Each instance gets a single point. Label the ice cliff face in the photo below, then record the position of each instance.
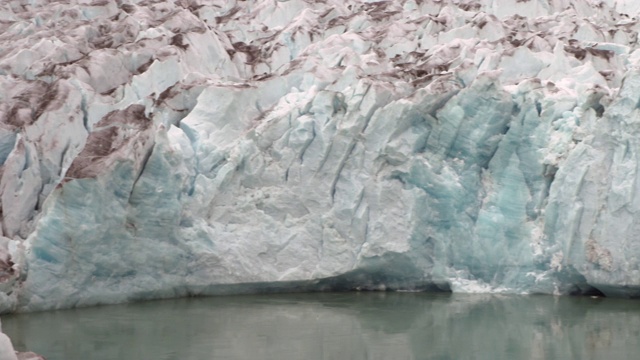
(154, 149)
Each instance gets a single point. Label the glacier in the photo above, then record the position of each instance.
(155, 149)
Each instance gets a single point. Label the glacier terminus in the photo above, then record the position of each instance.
(155, 149)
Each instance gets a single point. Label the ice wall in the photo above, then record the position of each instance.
(153, 149)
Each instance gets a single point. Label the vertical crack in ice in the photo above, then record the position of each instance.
(143, 165)
(341, 165)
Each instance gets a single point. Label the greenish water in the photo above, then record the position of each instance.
(338, 326)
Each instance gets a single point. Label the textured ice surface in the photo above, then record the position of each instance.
(154, 149)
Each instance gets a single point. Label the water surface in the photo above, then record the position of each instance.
(338, 326)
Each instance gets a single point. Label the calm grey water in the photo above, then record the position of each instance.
(338, 326)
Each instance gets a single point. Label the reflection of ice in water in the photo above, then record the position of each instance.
(538, 345)
(556, 327)
(338, 326)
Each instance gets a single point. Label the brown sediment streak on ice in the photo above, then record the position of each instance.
(106, 140)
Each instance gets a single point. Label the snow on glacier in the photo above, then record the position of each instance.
(153, 149)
